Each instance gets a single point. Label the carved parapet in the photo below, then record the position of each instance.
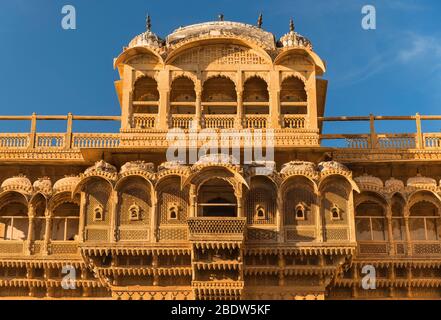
(152, 293)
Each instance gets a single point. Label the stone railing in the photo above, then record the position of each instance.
(432, 140)
(207, 228)
(144, 120)
(50, 140)
(358, 142)
(294, 121)
(14, 140)
(97, 140)
(396, 141)
(373, 248)
(256, 121)
(219, 121)
(182, 121)
(294, 131)
(9, 248)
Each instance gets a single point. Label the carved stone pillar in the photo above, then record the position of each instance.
(282, 265)
(127, 98)
(193, 201)
(408, 240)
(163, 109)
(30, 238)
(279, 217)
(114, 217)
(83, 212)
(198, 109)
(239, 117)
(390, 231)
(154, 218)
(275, 112)
(47, 231)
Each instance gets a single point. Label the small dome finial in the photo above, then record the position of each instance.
(260, 21)
(148, 23)
(291, 25)
(221, 17)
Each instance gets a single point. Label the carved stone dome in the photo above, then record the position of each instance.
(293, 39)
(43, 185)
(147, 39)
(302, 167)
(17, 183)
(66, 184)
(137, 166)
(369, 182)
(420, 181)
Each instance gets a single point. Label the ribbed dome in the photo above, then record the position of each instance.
(293, 39)
(147, 39)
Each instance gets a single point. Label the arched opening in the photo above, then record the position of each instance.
(39, 220)
(299, 205)
(182, 102)
(260, 201)
(293, 90)
(172, 201)
(216, 198)
(293, 102)
(398, 226)
(219, 103)
(134, 205)
(65, 222)
(145, 89)
(145, 102)
(370, 219)
(424, 218)
(256, 103)
(14, 221)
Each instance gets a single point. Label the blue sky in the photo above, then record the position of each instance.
(393, 70)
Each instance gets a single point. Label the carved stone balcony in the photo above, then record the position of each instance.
(294, 121)
(256, 121)
(182, 121)
(144, 120)
(216, 228)
(219, 121)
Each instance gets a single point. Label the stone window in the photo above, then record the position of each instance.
(134, 213)
(335, 213)
(98, 213)
(300, 212)
(173, 211)
(260, 212)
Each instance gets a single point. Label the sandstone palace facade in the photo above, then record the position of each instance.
(114, 213)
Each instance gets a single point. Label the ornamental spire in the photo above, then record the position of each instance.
(260, 21)
(148, 23)
(291, 25)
